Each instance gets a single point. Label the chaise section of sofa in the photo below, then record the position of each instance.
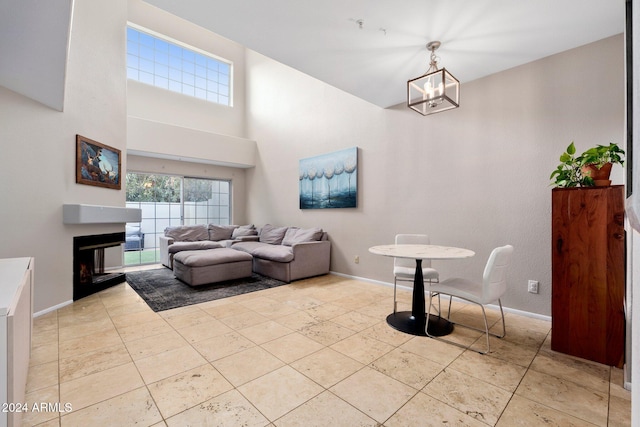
(289, 253)
(200, 237)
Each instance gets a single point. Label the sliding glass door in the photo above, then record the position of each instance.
(169, 200)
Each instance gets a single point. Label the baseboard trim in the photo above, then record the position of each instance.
(50, 309)
(490, 306)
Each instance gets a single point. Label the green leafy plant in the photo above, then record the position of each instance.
(569, 172)
(602, 154)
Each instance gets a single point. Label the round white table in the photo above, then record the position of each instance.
(413, 322)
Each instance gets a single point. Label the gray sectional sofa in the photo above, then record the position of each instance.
(283, 253)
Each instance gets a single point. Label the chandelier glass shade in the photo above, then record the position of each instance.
(435, 91)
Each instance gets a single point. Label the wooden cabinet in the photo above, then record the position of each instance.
(588, 247)
(16, 308)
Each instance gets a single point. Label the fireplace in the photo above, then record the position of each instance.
(89, 275)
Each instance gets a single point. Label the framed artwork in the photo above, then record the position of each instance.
(97, 164)
(329, 180)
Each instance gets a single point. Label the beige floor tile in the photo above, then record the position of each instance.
(132, 408)
(469, 395)
(95, 361)
(292, 347)
(619, 411)
(425, 411)
(362, 348)
(188, 389)
(134, 319)
(511, 352)
(203, 331)
(129, 308)
(355, 321)
(96, 341)
(303, 301)
(82, 329)
(41, 337)
(327, 367)
(241, 367)
(565, 396)
(325, 311)
(228, 409)
(527, 323)
(489, 369)
(42, 376)
(168, 363)
(47, 394)
(280, 391)
(222, 346)
(325, 410)
(374, 393)
(617, 384)
(155, 344)
(265, 332)
(298, 320)
(244, 320)
(526, 413)
(580, 371)
(385, 333)
(434, 350)
(407, 367)
(191, 318)
(44, 353)
(144, 330)
(326, 333)
(223, 308)
(103, 385)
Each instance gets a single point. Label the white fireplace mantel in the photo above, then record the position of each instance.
(95, 214)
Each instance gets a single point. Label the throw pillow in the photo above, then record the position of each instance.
(187, 233)
(220, 232)
(244, 230)
(300, 235)
(272, 235)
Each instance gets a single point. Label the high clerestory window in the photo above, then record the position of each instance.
(168, 64)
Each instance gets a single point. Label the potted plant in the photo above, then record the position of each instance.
(589, 168)
(597, 163)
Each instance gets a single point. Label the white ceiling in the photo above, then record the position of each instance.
(479, 37)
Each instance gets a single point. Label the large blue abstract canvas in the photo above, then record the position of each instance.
(329, 180)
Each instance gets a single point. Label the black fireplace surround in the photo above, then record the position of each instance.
(89, 276)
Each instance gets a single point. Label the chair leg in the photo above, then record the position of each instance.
(395, 302)
(504, 329)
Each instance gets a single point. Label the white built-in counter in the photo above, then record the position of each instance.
(16, 311)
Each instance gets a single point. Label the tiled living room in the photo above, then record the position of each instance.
(316, 352)
(300, 85)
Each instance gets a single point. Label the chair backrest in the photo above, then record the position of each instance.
(494, 279)
(411, 239)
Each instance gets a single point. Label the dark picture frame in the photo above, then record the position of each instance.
(97, 164)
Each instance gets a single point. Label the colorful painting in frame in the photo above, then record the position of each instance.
(97, 164)
(329, 180)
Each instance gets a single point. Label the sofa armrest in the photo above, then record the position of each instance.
(310, 259)
(165, 242)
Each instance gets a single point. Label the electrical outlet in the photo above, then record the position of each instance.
(533, 286)
(356, 259)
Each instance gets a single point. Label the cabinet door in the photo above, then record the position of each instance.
(588, 273)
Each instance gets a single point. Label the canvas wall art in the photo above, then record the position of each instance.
(329, 180)
(97, 164)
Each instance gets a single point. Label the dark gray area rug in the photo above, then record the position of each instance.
(162, 291)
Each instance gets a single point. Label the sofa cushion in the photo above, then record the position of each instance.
(187, 233)
(272, 235)
(193, 246)
(221, 232)
(244, 230)
(300, 235)
(212, 257)
(276, 253)
(247, 246)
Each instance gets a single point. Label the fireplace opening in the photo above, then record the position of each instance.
(89, 273)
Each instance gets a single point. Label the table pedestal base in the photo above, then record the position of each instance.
(404, 321)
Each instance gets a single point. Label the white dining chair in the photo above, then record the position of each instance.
(404, 269)
(489, 290)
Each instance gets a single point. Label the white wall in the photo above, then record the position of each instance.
(476, 177)
(38, 160)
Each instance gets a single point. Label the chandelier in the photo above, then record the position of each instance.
(435, 91)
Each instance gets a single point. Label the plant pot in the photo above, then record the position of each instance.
(600, 176)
